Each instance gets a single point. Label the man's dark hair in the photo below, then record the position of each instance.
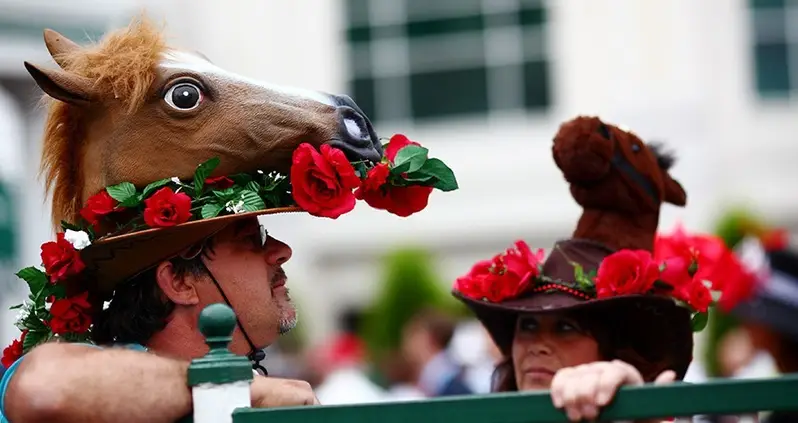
(438, 324)
(139, 308)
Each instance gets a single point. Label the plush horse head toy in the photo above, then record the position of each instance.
(620, 182)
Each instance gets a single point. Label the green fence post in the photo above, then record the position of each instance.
(220, 380)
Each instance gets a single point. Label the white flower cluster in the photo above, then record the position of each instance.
(23, 314)
(235, 207)
(78, 239)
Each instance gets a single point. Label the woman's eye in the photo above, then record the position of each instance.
(528, 325)
(564, 326)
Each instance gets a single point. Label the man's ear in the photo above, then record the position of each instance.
(180, 290)
(61, 85)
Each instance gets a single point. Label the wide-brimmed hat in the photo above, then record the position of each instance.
(773, 300)
(649, 293)
(164, 177)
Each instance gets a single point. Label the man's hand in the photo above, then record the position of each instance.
(583, 390)
(275, 392)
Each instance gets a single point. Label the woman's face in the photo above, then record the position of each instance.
(545, 343)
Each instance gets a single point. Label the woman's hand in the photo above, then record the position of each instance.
(583, 390)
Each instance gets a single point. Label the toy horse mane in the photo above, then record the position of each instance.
(620, 182)
(122, 66)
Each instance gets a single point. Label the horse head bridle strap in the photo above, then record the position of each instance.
(621, 163)
(255, 355)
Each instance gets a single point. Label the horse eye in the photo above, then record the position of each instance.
(184, 96)
(635, 148)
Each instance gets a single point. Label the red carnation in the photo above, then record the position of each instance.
(167, 208)
(322, 182)
(13, 352)
(626, 272)
(60, 259)
(220, 182)
(401, 201)
(71, 315)
(97, 206)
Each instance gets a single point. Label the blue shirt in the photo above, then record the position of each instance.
(13, 368)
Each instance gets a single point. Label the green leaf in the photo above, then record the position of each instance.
(252, 202)
(409, 159)
(122, 192)
(241, 178)
(35, 278)
(211, 210)
(201, 174)
(33, 324)
(252, 186)
(149, 189)
(59, 290)
(420, 178)
(66, 225)
(224, 194)
(18, 306)
(699, 321)
(579, 273)
(34, 338)
(444, 175)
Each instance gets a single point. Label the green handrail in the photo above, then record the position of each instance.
(721, 396)
(676, 400)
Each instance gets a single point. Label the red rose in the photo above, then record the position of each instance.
(396, 143)
(220, 182)
(97, 206)
(167, 208)
(401, 201)
(505, 276)
(676, 274)
(700, 297)
(60, 259)
(626, 272)
(71, 315)
(710, 253)
(322, 182)
(13, 352)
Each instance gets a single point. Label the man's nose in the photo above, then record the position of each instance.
(277, 252)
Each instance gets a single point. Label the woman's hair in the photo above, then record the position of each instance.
(139, 309)
(613, 341)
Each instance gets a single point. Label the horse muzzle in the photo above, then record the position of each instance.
(355, 136)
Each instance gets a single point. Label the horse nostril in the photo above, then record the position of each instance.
(356, 136)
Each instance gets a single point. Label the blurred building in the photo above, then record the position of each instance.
(483, 84)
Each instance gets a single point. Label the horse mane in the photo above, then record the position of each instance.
(122, 66)
(665, 159)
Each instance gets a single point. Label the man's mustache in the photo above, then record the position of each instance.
(279, 276)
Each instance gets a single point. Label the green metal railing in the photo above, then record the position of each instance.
(719, 397)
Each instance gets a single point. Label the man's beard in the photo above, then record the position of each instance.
(285, 308)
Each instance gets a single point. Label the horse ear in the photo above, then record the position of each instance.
(58, 45)
(64, 86)
(674, 193)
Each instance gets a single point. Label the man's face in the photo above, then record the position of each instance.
(247, 264)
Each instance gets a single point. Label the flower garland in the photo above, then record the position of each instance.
(321, 182)
(696, 271)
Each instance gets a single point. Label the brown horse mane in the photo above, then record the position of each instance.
(665, 159)
(122, 66)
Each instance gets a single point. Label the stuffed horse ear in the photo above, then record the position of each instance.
(674, 193)
(58, 45)
(61, 85)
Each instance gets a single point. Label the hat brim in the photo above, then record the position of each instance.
(629, 317)
(116, 259)
(771, 312)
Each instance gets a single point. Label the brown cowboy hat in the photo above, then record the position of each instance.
(652, 326)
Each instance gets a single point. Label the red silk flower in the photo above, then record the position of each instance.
(60, 259)
(503, 277)
(322, 181)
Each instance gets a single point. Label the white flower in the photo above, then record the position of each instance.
(106, 304)
(47, 305)
(78, 239)
(176, 180)
(235, 208)
(260, 172)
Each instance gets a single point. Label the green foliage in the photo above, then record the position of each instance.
(732, 227)
(410, 284)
